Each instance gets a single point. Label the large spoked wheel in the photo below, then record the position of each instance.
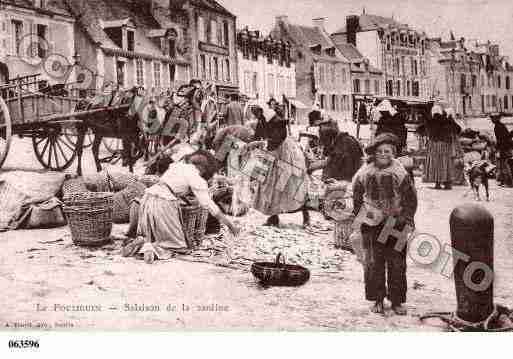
(53, 149)
(71, 135)
(5, 131)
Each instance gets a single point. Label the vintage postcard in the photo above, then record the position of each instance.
(192, 165)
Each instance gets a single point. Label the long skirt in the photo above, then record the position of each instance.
(385, 269)
(159, 228)
(439, 162)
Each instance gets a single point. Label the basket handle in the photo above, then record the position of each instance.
(278, 261)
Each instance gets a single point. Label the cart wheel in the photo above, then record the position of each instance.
(53, 149)
(5, 131)
(70, 132)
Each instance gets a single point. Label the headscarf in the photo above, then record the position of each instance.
(437, 109)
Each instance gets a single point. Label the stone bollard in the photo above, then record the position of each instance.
(472, 235)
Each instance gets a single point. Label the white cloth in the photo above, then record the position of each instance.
(184, 177)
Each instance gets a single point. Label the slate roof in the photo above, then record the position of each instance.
(212, 5)
(370, 22)
(349, 51)
(91, 13)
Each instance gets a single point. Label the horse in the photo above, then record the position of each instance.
(115, 124)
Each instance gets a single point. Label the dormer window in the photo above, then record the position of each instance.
(121, 32)
(130, 40)
(330, 51)
(316, 49)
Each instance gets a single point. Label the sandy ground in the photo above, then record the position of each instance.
(44, 279)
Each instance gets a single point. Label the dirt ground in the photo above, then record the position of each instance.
(48, 283)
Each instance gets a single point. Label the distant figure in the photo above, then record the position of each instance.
(234, 112)
(393, 122)
(504, 148)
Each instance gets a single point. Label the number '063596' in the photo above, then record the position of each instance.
(23, 344)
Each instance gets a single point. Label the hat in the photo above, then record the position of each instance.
(380, 140)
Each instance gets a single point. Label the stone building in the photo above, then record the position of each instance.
(209, 35)
(34, 34)
(266, 68)
(396, 49)
(322, 72)
(121, 42)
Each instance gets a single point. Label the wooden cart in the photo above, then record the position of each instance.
(47, 119)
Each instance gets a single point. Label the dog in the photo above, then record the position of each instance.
(478, 173)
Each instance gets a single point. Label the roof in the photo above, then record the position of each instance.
(349, 51)
(370, 22)
(309, 37)
(53, 6)
(92, 14)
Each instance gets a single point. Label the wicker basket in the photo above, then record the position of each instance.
(279, 273)
(343, 230)
(149, 180)
(194, 222)
(89, 217)
(123, 199)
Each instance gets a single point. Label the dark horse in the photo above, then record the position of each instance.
(114, 123)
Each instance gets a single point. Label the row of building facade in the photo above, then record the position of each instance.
(162, 44)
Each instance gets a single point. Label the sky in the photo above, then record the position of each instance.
(472, 19)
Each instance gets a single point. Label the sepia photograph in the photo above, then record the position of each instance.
(249, 166)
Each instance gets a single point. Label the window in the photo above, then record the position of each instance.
(323, 101)
(42, 32)
(226, 34)
(120, 72)
(376, 87)
(474, 81)
(228, 71)
(334, 102)
(506, 102)
(463, 83)
(403, 67)
(408, 87)
(397, 66)
(201, 29)
(415, 68)
(507, 83)
(270, 84)
(494, 101)
(203, 67)
(333, 75)
(213, 32)
(18, 35)
(367, 86)
(398, 88)
(356, 85)
(172, 73)
(344, 76)
(499, 81)
(254, 82)
(130, 40)
(415, 89)
(139, 72)
(172, 48)
(389, 87)
(156, 75)
(215, 65)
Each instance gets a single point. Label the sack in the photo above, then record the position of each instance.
(48, 214)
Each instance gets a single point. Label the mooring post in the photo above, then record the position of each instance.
(472, 237)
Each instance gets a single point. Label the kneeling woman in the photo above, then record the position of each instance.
(159, 231)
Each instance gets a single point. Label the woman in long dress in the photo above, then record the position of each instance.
(440, 149)
(284, 186)
(160, 231)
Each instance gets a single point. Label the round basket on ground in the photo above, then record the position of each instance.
(279, 273)
(123, 199)
(194, 222)
(89, 217)
(149, 180)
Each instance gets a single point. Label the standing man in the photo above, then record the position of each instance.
(504, 147)
(234, 112)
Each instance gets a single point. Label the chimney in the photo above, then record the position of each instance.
(319, 22)
(352, 25)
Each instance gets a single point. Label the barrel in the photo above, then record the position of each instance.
(472, 235)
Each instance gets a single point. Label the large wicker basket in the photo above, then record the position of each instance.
(89, 217)
(194, 222)
(123, 199)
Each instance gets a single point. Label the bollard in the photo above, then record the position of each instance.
(472, 234)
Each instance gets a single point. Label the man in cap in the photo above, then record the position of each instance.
(384, 188)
